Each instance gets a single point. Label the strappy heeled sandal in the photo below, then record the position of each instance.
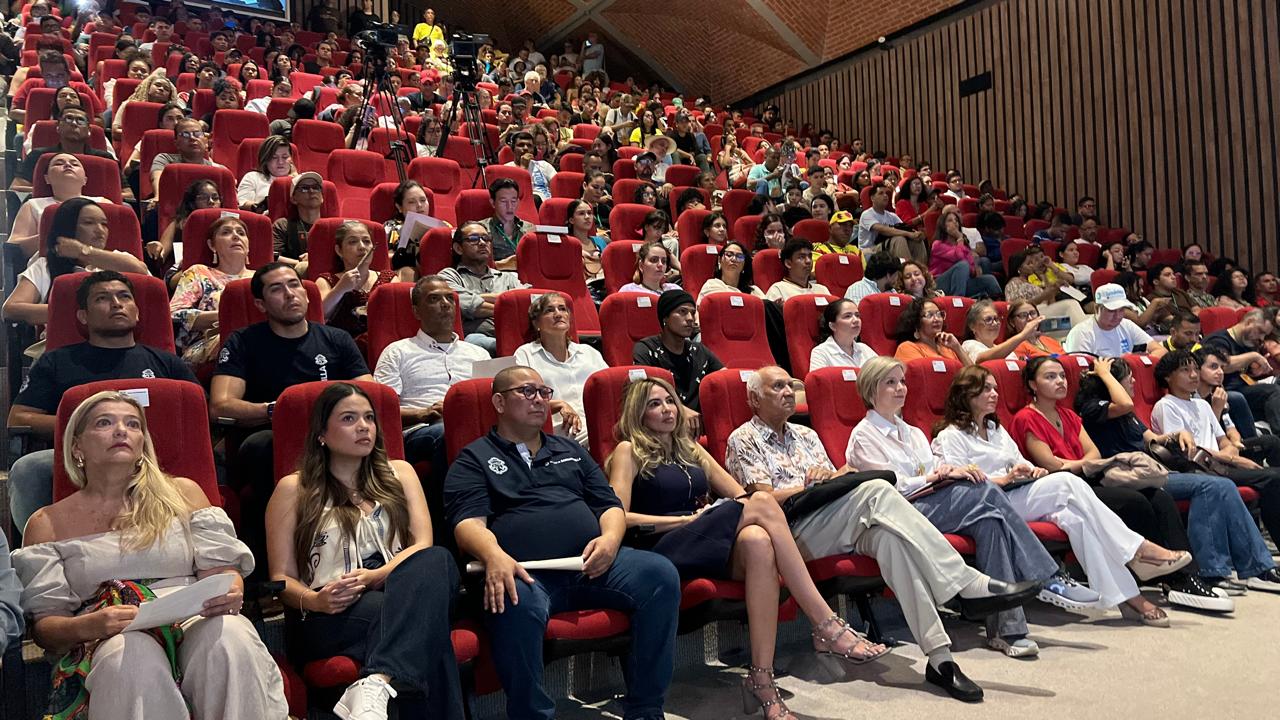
(842, 627)
(1155, 617)
(751, 701)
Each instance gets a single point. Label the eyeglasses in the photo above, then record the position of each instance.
(191, 134)
(77, 121)
(478, 239)
(308, 189)
(209, 198)
(734, 256)
(994, 320)
(529, 392)
(935, 315)
(1027, 315)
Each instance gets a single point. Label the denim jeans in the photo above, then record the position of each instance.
(425, 443)
(1241, 415)
(642, 583)
(488, 342)
(957, 282)
(30, 485)
(1223, 534)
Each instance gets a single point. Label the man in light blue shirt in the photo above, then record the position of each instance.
(880, 275)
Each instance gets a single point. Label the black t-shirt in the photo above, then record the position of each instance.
(687, 142)
(1226, 342)
(1111, 435)
(57, 371)
(27, 168)
(269, 363)
(687, 369)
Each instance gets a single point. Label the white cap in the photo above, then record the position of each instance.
(1111, 296)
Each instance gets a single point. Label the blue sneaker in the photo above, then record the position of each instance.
(1062, 591)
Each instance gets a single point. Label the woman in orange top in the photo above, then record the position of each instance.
(1022, 312)
(921, 334)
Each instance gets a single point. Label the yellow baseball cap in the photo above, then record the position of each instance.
(841, 216)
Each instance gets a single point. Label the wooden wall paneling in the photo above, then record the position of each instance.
(1263, 61)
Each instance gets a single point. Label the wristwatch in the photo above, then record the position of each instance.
(271, 409)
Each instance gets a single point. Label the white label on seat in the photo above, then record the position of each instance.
(644, 301)
(228, 213)
(939, 366)
(141, 395)
(745, 375)
(821, 301)
(635, 247)
(895, 301)
(554, 239)
(635, 374)
(1012, 365)
(735, 300)
(533, 298)
(713, 250)
(957, 302)
(1082, 361)
(844, 259)
(1146, 359)
(551, 229)
(849, 374)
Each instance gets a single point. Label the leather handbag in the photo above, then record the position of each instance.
(1133, 470)
(819, 495)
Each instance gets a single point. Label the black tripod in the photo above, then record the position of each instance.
(378, 85)
(465, 97)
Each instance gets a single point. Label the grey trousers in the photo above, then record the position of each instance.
(917, 563)
(1006, 547)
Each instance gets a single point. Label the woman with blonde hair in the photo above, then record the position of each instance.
(350, 535)
(156, 88)
(665, 480)
(80, 563)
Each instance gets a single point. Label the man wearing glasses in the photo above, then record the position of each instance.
(192, 142)
(519, 494)
(478, 285)
(73, 137)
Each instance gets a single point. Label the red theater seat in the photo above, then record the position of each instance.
(155, 325)
(322, 247)
(195, 235)
(733, 329)
(355, 173)
(929, 380)
(801, 314)
(602, 400)
(630, 317)
(316, 139)
(880, 313)
(176, 178)
(233, 127)
(723, 397)
(835, 408)
(102, 177)
(619, 263)
(511, 319)
(554, 262)
(837, 271)
(291, 421)
(236, 308)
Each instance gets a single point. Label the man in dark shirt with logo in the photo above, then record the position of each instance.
(519, 494)
(108, 310)
(256, 364)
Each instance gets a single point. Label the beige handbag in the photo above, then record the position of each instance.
(1133, 470)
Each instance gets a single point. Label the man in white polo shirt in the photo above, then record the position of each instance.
(1108, 333)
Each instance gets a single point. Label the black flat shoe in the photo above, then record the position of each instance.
(1019, 594)
(955, 682)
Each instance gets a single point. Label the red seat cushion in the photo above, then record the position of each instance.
(834, 566)
(962, 543)
(587, 624)
(701, 590)
(336, 671)
(1048, 532)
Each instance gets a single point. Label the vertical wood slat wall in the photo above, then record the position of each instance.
(1162, 109)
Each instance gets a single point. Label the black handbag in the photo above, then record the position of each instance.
(819, 495)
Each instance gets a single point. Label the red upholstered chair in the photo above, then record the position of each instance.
(154, 142)
(834, 407)
(733, 329)
(1101, 276)
(1090, 254)
(40, 104)
(473, 204)
(469, 407)
(44, 133)
(232, 127)
(623, 168)
(102, 177)
(602, 400)
(1009, 385)
(673, 209)
(202, 103)
(177, 420)
(176, 178)
(355, 173)
(744, 230)
(1213, 319)
(125, 234)
(968, 205)
(236, 308)
(629, 317)
(880, 313)
(838, 271)
(734, 204)
(1031, 227)
(619, 263)
(195, 248)
(291, 421)
(766, 268)
(955, 309)
(723, 397)
(567, 184)
(929, 380)
(624, 190)
(801, 314)
(382, 201)
(1145, 389)
(391, 318)
(315, 140)
(683, 175)
(586, 131)
(278, 108)
(322, 244)
(571, 162)
(698, 265)
(280, 204)
(813, 230)
(527, 209)
(626, 221)
(555, 263)
(1013, 226)
(511, 319)
(258, 88)
(381, 138)
(689, 228)
(247, 155)
(155, 325)
(435, 251)
(554, 210)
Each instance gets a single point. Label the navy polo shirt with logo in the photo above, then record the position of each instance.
(269, 363)
(547, 508)
(57, 371)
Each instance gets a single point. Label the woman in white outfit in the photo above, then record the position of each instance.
(1106, 548)
(564, 365)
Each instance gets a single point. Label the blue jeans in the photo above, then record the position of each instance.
(30, 485)
(425, 444)
(1241, 415)
(957, 282)
(642, 583)
(488, 342)
(1223, 534)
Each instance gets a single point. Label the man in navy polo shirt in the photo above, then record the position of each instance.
(518, 494)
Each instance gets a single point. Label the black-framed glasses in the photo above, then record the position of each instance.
(529, 392)
(308, 188)
(478, 239)
(77, 121)
(191, 134)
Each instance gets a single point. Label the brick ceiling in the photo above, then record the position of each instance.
(728, 49)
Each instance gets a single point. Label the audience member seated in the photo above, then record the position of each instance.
(564, 364)
(582, 226)
(137, 67)
(477, 283)
(915, 280)
(1151, 314)
(518, 494)
(841, 229)
(191, 138)
(169, 115)
(772, 232)
(1023, 314)
(194, 304)
(1139, 254)
(1221, 530)
(673, 348)
(1233, 289)
(66, 177)
(882, 273)
(257, 363)
(733, 270)
(504, 227)
(275, 159)
(913, 202)
(540, 171)
(1052, 436)
(1034, 277)
(666, 480)
(1079, 275)
(838, 331)
(73, 138)
(955, 265)
(1266, 289)
(957, 499)
(12, 623)
(54, 73)
(155, 88)
(878, 228)
(80, 563)
(797, 264)
(289, 234)
(982, 325)
(770, 454)
(1108, 333)
(344, 292)
(64, 99)
(653, 260)
(388, 604)
(199, 195)
(282, 88)
(596, 193)
(409, 197)
(77, 240)
(920, 334)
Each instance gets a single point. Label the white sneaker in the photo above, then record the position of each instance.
(1268, 581)
(365, 699)
(1021, 648)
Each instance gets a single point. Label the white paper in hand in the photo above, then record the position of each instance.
(415, 226)
(572, 564)
(181, 604)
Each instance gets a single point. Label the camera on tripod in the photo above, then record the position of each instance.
(376, 43)
(464, 49)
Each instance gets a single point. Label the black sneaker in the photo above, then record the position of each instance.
(1191, 592)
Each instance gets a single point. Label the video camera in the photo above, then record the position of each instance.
(376, 43)
(464, 50)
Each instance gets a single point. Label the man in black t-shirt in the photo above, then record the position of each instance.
(108, 310)
(256, 364)
(674, 349)
(1240, 343)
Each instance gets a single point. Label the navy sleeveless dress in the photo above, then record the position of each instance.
(700, 549)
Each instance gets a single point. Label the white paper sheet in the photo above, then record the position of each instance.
(416, 225)
(573, 564)
(181, 604)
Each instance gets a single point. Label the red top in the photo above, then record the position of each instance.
(1066, 445)
(906, 210)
